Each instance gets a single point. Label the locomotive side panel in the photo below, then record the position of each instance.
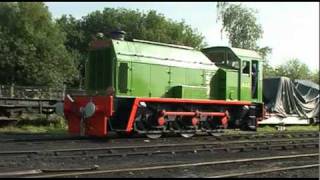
(224, 85)
(159, 80)
(152, 70)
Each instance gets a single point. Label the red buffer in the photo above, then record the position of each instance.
(88, 116)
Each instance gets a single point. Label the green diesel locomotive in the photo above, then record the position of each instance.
(137, 86)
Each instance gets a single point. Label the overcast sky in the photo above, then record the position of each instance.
(291, 29)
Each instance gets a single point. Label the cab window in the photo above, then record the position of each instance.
(245, 67)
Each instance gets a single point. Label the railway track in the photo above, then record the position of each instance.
(176, 148)
(34, 147)
(49, 173)
(119, 148)
(266, 171)
(254, 144)
(220, 137)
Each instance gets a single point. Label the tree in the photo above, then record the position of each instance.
(32, 50)
(240, 25)
(268, 71)
(75, 43)
(315, 77)
(294, 69)
(242, 29)
(150, 26)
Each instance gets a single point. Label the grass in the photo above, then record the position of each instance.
(288, 128)
(30, 123)
(33, 129)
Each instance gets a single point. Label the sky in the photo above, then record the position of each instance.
(291, 29)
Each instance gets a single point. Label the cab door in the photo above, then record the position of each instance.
(245, 80)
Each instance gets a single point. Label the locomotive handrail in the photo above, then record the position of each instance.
(153, 57)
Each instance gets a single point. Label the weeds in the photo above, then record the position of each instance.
(37, 124)
(268, 128)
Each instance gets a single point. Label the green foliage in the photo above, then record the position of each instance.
(243, 30)
(53, 120)
(264, 52)
(294, 69)
(37, 123)
(241, 25)
(31, 129)
(32, 50)
(75, 43)
(147, 26)
(315, 77)
(268, 71)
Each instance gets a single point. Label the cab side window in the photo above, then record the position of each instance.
(245, 67)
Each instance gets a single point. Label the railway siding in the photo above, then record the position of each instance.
(77, 159)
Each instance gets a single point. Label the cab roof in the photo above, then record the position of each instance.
(239, 52)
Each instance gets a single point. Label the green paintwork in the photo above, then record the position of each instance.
(191, 92)
(150, 69)
(231, 86)
(160, 76)
(236, 83)
(245, 84)
(140, 79)
(224, 85)
(99, 69)
(155, 68)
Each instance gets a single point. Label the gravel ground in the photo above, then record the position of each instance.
(304, 173)
(214, 170)
(129, 162)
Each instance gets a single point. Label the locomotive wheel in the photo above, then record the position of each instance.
(187, 135)
(154, 135)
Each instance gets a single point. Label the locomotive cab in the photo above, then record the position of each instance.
(243, 66)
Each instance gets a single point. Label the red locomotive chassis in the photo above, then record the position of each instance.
(97, 124)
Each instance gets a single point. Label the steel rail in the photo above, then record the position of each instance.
(57, 157)
(266, 171)
(247, 143)
(226, 136)
(169, 166)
